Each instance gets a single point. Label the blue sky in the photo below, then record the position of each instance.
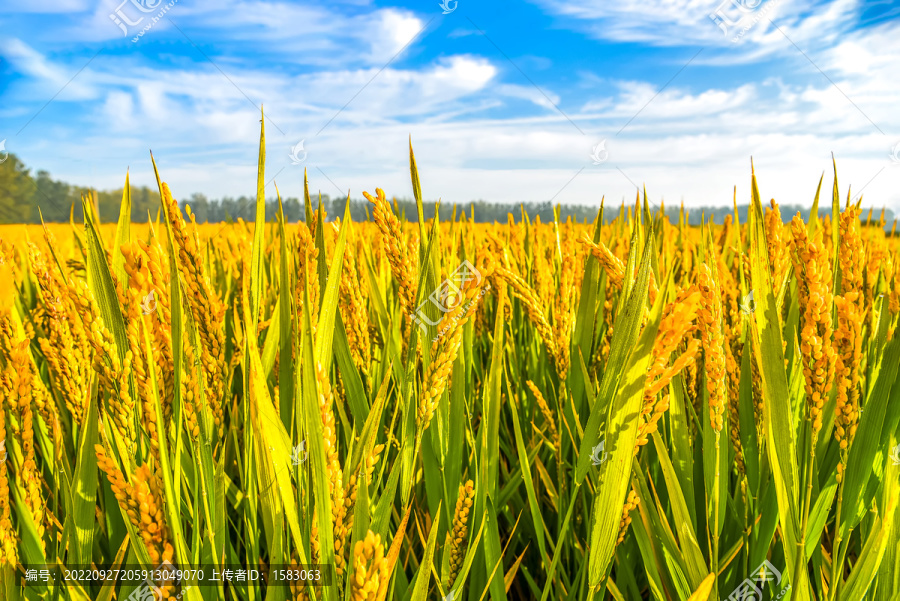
(562, 100)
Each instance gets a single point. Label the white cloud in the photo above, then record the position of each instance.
(320, 35)
(540, 97)
(46, 75)
(394, 31)
(671, 103)
(693, 142)
(119, 108)
(691, 23)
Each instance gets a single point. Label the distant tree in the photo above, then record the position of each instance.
(200, 207)
(293, 210)
(54, 198)
(243, 208)
(23, 195)
(16, 186)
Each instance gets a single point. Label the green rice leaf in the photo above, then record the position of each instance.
(525, 465)
(328, 304)
(287, 334)
(766, 339)
(868, 440)
(123, 233)
(257, 273)
(625, 336)
(420, 590)
(84, 488)
(623, 403)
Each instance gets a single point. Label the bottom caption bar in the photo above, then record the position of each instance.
(170, 576)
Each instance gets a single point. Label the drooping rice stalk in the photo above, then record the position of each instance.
(206, 308)
(546, 412)
(711, 329)
(678, 318)
(395, 248)
(445, 347)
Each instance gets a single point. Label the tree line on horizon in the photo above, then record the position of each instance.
(25, 198)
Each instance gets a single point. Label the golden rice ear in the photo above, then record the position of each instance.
(369, 568)
(445, 348)
(334, 472)
(711, 330)
(459, 532)
(848, 350)
(395, 247)
(545, 410)
(812, 267)
(631, 504)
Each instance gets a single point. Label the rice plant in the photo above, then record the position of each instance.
(418, 409)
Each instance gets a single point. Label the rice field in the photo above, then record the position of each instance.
(407, 409)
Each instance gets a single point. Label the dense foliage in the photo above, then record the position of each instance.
(634, 409)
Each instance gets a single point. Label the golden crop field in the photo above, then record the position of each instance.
(633, 409)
